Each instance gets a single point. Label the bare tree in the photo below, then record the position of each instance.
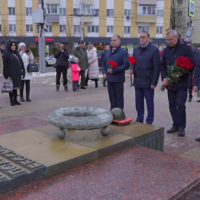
(4, 28)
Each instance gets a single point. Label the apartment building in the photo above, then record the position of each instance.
(182, 19)
(102, 18)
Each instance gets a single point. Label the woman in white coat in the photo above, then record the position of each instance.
(93, 71)
(27, 57)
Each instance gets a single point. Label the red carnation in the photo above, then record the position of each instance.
(113, 64)
(132, 60)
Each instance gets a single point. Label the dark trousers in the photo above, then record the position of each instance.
(28, 87)
(75, 85)
(191, 86)
(63, 70)
(95, 80)
(82, 75)
(116, 94)
(177, 100)
(148, 94)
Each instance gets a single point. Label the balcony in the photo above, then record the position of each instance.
(149, 2)
(146, 18)
(50, 18)
(87, 19)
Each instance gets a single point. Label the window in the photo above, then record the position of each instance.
(179, 26)
(11, 11)
(28, 11)
(180, 2)
(76, 29)
(160, 13)
(88, 10)
(159, 30)
(96, 12)
(127, 12)
(62, 28)
(63, 11)
(110, 12)
(109, 29)
(127, 29)
(143, 28)
(12, 27)
(52, 8)
(147, 10)
(93, 29)
(77, 11)
(180, 13)
(29, 28)
(49, 28)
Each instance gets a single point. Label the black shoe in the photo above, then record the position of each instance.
(12, 104)
(22, 99)
(197, 139)
(57, 88)
(181, 132)
(173, 129)
(189, 100)
(83, 87)
(28, 99)
(17, 103)
(66, 88)
(198, 101)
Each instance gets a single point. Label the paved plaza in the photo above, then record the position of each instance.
(45, 99)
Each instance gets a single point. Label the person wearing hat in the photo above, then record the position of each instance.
(27, 57)
(81, 54)
(194, 50)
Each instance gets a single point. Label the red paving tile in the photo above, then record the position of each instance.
(133, 174)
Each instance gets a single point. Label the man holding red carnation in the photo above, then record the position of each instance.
(115, 64)
(177, 50)
(146, 72)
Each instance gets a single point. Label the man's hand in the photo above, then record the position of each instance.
(153, 87)
(62, 51)
(195, 89)
(165, 82)
(110, 71)
(104, 76)
(131, 72)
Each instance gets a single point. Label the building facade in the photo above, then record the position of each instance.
(102, 18)
(182, 19)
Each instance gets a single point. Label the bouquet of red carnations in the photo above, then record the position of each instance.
(182, 65)
(132, 62)
(112, 65)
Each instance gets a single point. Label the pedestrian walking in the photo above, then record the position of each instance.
(27, 58)
(62, 56)
(116, 76)
(81, 54)
(2, 48)
(177, 92)
(75, 69)
(107, 47)
(93, 70)
(13, 68)
(146, 72)
(1, 68)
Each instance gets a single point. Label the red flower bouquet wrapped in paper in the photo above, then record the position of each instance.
(112, 65)
(182, 65)
(132, 61)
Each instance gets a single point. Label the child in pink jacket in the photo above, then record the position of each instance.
(75, 73)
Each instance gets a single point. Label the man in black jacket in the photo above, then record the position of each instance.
(62, 57)
(177, 92)
(146, 73)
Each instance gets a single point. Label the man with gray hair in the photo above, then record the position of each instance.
(177, 92)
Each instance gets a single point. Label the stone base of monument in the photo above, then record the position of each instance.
(33, 154)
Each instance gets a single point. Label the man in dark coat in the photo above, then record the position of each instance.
(177, 92)
(62, 57)
(81, 54)
(116, 76)
(146, 73)
(107, 47)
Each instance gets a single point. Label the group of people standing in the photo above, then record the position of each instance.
(14, 65)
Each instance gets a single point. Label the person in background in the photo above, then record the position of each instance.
(1, 68)
(194, 50)
(62, 56)
(81, 54)
(75, 69)
(27, 57)
(146, 72)
(116, 76)
(13, 67)
(93, 71)
(2, 48)
(107, 47)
